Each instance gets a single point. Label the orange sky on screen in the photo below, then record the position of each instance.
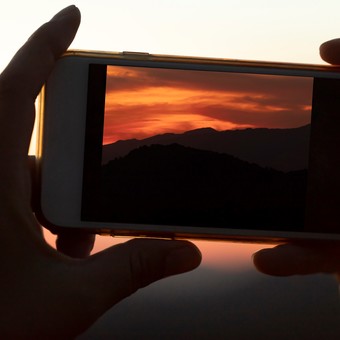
(142, 102)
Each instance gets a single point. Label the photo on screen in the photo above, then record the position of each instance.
(198, 148)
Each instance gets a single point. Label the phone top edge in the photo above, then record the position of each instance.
(145, 56)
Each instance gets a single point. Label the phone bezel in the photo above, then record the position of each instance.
(62, 141)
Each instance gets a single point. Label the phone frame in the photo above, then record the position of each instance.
(61, 141)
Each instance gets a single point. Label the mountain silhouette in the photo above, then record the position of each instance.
(281, 149)
(178, 185)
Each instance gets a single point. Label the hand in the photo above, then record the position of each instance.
(44, 293)
(304, 258)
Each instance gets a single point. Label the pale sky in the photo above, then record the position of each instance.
(244, 29)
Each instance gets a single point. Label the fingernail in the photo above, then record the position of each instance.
(182, 259)
(68, 11)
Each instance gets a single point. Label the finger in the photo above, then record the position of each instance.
(34, 61)
(20, 82)
(330, 51)
(75, 244)
(121, 270)
(23, 78)
(289, 259)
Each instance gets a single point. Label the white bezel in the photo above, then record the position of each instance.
(62, 152)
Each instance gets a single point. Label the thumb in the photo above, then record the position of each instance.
(299, 259)
(121, 270)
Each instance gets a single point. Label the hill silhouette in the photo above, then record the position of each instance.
(178, 185)
(281, 149)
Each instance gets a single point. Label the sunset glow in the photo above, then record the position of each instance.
(142, 102)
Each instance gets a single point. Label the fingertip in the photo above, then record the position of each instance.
(68, 17)
(182, 258)
(68, 12)
(264, 262)
(75, 244)
(298, 259)
(330, 51)
(60, 31)
(282, 260)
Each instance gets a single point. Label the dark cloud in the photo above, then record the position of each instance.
(269, 118)
(289, 88)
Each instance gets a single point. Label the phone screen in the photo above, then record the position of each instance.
(208, 149)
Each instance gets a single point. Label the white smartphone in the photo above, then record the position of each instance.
(168, 146)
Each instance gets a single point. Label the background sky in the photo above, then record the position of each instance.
(290, 31)
(242, 29)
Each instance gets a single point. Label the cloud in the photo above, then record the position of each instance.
(141, 102)
(137, 78)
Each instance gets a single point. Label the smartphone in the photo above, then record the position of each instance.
(136, 144)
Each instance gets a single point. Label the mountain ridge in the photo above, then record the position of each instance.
(281, 149)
